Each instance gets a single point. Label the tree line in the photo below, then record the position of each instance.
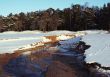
(77, 17)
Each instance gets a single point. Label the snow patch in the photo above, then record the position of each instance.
(94, 32)
(46, 39)
(12, 40)
(64, 37)
(99, 50)
(59, 32)
(22, 32)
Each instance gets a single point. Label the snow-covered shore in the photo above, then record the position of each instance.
(11, 41)
(98, 39)
(68, 49)
(99, 50)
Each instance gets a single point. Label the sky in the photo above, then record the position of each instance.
(17, 6)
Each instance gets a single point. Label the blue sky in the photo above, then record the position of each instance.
(16, 6)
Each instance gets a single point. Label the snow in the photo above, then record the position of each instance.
(98, 39)
(100, 48)
(100, 45)
(59, 32)
(64, 37)
(35, 44)
(93, 32)
(46, 40)
(22, 32)
(80, 33)
(12, 40)
(40, 44)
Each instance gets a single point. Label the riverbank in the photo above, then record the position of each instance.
(58, 55)
(61, 59)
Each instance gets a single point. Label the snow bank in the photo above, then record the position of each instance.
(37, 43)
(11, 40)
(64, 37)
(22, 32)
(59, 32)
(19, 39)
(99, 50)
(94, 32)
(46, 39)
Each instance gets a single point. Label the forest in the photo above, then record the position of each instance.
(76, 17)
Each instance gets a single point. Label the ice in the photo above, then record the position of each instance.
(67, 44)
(70, 41)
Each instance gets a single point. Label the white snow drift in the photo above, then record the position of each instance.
(99, 50)
(11, 41)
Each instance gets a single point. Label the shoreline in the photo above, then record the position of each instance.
(50, 61)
